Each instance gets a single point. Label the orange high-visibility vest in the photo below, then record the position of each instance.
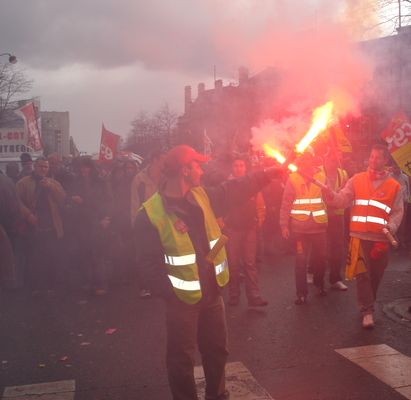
(372, 207)
(308, 199)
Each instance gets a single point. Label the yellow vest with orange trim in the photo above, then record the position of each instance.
(179, 253)
(372, 207)
(342, 178)
(308, 199)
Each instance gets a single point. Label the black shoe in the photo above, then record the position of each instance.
(257, 302)
(322, 292)
(233, 301)
(300, 300)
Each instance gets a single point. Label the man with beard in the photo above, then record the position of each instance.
(377, 205)
(183, 256)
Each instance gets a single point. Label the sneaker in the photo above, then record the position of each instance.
(257, 302)
(368, 321)
(310, 278)
(233, 301)
(339, 286)
(145, 294)
(300, 300)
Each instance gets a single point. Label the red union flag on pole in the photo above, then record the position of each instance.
(398, 137)
(28, 113)
(108, 145)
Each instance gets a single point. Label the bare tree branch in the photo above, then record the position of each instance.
(13, 83)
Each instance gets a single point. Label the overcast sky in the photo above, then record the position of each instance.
(105, 60)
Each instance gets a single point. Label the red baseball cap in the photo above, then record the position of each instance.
(179, 156)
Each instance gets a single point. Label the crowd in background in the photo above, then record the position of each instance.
(70, 224)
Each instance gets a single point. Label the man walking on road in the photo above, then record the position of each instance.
(377, 204)
(336, 178)
(184, 259)
(241, 226)
(303, 204)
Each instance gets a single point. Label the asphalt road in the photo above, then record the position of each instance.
(114, 346)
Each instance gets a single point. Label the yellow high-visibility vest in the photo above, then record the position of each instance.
(342, 178)
(179, 253)
(308, 200)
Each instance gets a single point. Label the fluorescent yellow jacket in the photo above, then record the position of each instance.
(179, 253)
(308, 199)
(342, 178)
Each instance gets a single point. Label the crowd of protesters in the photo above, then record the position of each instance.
(202, 224)
(70, 224)
(67, 223)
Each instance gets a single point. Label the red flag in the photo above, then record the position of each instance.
(33, 133)
(398, 137)
(398, 132)
(108, 145)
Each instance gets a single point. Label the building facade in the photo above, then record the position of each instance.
(55, 132)
(224, 115)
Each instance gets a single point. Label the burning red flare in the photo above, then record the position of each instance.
(277, 156)
(322, 117)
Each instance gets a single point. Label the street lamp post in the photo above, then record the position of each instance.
(12, 58)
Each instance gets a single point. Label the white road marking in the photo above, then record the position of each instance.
(60, 390)
(239, 381)
(385, 363)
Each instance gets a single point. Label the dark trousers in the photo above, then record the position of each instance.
(368, 282)
(242, 251)
(43, 261)
(311, 246)
(336, 247)
(202, 324)
(7, 262)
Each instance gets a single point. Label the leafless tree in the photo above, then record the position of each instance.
(165, 121)
(149, 131)
(13, 83)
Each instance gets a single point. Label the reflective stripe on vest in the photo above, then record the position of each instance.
(374, 220)
(304, 212)
(221, 267)
(180, 260)
(212, 243)
(373, 203)
(189, 286)
(308, 201)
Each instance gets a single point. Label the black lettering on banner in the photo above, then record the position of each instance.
(11, 150)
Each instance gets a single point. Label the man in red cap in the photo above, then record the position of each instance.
(181, 250)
